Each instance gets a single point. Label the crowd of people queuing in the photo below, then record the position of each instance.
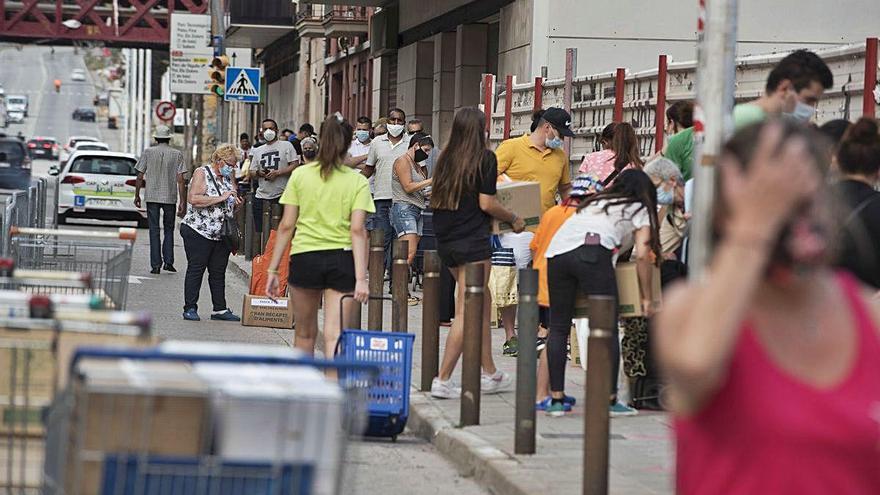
(774, 355)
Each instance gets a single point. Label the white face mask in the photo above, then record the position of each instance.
(269, 135)
(395, 129)
(803, 112)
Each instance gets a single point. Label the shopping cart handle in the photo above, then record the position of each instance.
(156, 354)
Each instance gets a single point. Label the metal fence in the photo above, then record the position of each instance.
(595, 100)
(25, 208)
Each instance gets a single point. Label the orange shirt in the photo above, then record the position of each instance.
(550, 223)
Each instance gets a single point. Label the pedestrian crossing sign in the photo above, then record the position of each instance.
(243, 84)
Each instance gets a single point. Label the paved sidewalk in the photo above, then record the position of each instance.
(642, 460)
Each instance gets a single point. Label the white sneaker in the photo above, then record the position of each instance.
(444, 390)
(493, 384)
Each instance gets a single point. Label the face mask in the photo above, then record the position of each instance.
(420, 155)
(395, 129)
(554, 143)
(226, 170)
(309, 154)
(362, 135)
(664, 197)
(269, 135)
(803, 112)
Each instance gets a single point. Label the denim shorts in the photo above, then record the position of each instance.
(406, 219)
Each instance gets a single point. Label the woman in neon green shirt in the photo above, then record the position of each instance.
(325, 209)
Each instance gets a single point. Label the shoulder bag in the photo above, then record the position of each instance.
(229, 233)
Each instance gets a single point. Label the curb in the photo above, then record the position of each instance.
(238, 271)
(492, 468)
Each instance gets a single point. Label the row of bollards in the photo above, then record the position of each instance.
(601, 312)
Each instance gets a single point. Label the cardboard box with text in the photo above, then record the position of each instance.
(524, 199)
(260, 311)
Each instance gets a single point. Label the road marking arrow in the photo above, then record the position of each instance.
(135, 279)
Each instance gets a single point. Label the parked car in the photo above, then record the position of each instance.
(43, 147)
(99, 185)
(78, 75)
(15, 163)
(17, 103)
(71, 143)
(86, 114)
(90, 146)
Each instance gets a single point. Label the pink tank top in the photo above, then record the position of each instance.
(765, 432)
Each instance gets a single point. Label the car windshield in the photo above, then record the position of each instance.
(91, 147)
(103, 165)
(13, 151)
(15, 100)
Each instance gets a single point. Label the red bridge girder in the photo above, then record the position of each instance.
(113, 23)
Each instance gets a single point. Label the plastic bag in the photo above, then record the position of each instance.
(260, 266)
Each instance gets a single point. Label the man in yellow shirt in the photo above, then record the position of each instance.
(536, 157)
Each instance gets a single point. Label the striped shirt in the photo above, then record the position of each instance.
(160, 165)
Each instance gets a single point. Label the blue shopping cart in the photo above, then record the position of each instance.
(141, 471)
(388, 397)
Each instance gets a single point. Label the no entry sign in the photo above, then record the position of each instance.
(165, 111)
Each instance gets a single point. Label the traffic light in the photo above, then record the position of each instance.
(217, 74)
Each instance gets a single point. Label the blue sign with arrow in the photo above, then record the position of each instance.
(243, 84)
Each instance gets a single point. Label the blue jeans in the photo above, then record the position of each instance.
(382, 220)
(166, 251)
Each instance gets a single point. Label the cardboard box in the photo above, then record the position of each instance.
(27, 356)
(260, 311)
(524, 199)
(68, 342)
(125, 406)
(298, 410)
(629, 299)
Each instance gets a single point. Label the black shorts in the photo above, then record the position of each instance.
(464, 251)
(332, 269)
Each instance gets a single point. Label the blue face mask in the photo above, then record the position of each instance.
(664, 197)
(226, 170)
(362, 135)
(553, 143)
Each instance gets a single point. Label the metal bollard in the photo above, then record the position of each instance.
(399, 287)
(526, 363)
(353, 318)
(430, 320)
(277, 212)
(473, 344)
(376, 269)
(596, 427)
(249, 227)
(267, 225)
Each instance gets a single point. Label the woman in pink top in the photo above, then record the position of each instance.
(773, 360)
(621, 151)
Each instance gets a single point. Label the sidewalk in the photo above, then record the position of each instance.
(642, 460)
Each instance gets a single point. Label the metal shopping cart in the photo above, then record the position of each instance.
(105, 255)
(34, 353)
(100, 443)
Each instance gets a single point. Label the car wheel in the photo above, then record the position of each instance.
(62, 219)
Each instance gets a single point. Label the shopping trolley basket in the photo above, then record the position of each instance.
(34, 353)
(106, 255)
(389, 396)
(117, 452)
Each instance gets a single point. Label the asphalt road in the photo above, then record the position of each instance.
(410, 466)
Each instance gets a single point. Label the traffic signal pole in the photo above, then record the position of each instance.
(218, 20)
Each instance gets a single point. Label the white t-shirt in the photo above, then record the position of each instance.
(382, 156)
(615, 227)
(358, 148)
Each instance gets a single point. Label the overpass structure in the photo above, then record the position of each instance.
(121, 23)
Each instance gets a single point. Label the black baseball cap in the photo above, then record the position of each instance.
(560, 119)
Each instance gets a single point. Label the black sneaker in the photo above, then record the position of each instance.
(169, 268)
(155, 271)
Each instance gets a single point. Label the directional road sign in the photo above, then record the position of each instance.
(243, 84)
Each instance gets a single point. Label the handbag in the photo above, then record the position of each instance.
(229, 233)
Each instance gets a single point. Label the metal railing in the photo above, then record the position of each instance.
(25, 208)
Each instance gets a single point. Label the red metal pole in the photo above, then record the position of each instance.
(660, 109)
(488, 82)
(618, 94)
(870, 77)
(539, 93)
(508, 105)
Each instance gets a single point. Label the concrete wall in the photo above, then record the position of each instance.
(632, 33)
(280, 101)
(413, 13)
(415, 81)
(515, 39)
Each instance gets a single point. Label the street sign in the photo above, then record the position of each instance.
(243, 84)
(190, 53)
(165, 111)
